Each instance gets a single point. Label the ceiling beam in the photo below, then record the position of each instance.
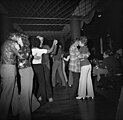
(39, 18)
(42, 24)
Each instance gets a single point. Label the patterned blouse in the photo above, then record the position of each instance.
(25, 60)
(9, 52)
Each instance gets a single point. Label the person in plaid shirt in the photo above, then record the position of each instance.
(74, 68)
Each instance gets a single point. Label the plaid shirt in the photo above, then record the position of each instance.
(74, 64)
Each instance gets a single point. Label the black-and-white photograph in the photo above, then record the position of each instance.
(61, 60)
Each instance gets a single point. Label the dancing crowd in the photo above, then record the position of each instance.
(29, 70)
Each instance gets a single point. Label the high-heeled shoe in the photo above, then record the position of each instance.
(40, 98)
(92, 97)
(89, 97)
(78, 98)
(83, 98)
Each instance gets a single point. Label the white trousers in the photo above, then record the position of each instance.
(85, 82)
(119, 113)
(8, 75)
(24, 103)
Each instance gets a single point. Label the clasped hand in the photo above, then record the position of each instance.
(55, 42)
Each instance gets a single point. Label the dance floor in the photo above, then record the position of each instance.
(102, 107)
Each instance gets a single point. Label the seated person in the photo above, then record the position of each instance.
(112, 65)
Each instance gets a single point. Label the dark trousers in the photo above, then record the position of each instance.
(73, 91)
(118, 83)
(48, 81)
(39, 76)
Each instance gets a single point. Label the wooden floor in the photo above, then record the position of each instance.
(101, 108)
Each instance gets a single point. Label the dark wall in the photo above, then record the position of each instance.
(111, 23)
(114, 19)
(3, 26)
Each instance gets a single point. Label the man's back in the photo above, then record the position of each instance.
(7, 52)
